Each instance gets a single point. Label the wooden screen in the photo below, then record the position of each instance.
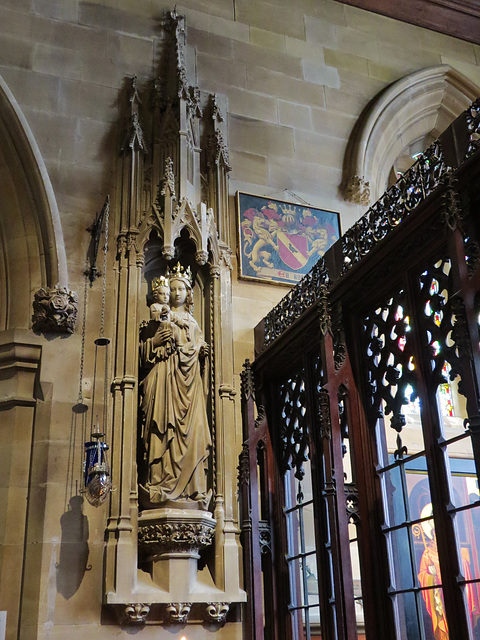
(367, 390)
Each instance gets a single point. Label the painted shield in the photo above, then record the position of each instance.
(292, 249)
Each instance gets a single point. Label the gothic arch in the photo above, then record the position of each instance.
(418, 107)
(32, 252)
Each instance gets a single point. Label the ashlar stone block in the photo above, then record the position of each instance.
(250, 167)
(267, 39)
(252, 105)
(255, 136)
(321, 74)
(295, 115)
(347, 61)
(57, 9)
(234, 29)
(282, 20)
(357, 43)
(304, 49)
(276, 84)
(320, 31)
(260, 56)
(214, 45)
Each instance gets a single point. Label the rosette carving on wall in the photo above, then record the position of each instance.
(54, 310)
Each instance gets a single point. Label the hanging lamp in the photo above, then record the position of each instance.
(96, 470)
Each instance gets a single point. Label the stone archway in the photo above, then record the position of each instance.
(32, 256)
(419, 106)
(32, 253)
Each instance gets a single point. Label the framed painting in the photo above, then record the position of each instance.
(279, 241)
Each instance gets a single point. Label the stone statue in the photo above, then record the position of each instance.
(175, 435)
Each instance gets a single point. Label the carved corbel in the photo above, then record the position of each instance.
(54, 310)
(217, 611)
(201, 257)
(357, 191)
(227, 391)
(215, 271)
(226, 256)
(178, 612)
(136, 613)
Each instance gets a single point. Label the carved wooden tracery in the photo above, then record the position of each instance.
(392, 314)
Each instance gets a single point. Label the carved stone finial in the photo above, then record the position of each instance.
(217, 611)
(178, 612)
(54, 310)
(193, 104)
(168, 179)
(217, 152)
(134, 96)
(134, 139)
(216, 111)
(357, 190)
(136, 613)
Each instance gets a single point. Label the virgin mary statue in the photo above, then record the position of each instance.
(175, 435)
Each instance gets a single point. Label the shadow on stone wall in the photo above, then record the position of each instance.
(73, 550)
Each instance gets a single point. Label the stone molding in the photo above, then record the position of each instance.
(166, 531)
(427, 100)
(19, 363)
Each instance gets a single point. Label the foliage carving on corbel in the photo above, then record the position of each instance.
(178, 612)
(136, 613)
(217, 611)
(54, 310)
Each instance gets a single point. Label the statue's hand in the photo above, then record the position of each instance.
(204, 351)
(162, 336)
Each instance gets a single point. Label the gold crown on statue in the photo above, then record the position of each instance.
(179, 273)
(161, 281)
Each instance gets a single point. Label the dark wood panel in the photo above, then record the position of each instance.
(452, 17)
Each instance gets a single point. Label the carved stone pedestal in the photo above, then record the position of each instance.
(170, 541)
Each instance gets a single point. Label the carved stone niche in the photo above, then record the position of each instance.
(173, 553)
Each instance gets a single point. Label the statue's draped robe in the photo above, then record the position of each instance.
(175, 434)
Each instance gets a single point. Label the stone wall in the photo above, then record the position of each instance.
(296, 77)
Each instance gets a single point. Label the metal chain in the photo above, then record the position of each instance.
(105, 391)
(105, 250)
(93, 425)
(82, 357)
